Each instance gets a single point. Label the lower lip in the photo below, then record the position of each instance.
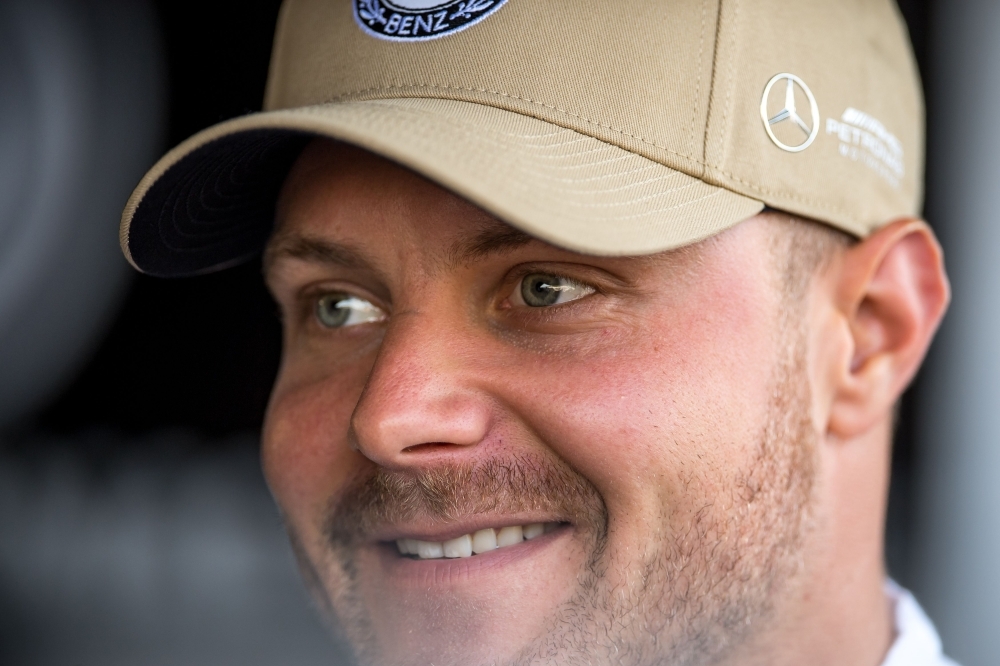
(454, 571)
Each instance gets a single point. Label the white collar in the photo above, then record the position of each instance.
(917, 642)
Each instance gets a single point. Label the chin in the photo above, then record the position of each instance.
(396, 609)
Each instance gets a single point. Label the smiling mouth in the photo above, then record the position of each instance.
(475, 543)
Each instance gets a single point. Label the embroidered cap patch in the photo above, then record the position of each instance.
(417, 20)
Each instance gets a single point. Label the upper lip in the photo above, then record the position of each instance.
(444, 531)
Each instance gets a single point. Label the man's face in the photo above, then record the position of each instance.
(444, 375)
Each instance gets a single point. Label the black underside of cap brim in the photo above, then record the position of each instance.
(214, 208)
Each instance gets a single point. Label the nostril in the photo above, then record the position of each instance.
(429, 447)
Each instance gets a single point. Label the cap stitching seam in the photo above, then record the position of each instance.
(714, 84)
(697, 85)
(765, 190)
(703, 163)
(523, 99)
(732, 66)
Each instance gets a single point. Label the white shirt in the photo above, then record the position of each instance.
(917, 642)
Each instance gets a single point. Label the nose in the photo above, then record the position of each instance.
(421, 401)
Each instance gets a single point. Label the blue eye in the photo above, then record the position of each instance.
(539, 290)
(342, 310)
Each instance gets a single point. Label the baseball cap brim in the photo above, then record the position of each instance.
(209, 203)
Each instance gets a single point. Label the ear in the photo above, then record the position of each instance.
(892, 291)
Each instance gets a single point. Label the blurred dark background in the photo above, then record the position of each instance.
(134, 524)
(196, 353)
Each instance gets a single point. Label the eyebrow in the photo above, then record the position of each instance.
(315, 250)
(493, 238)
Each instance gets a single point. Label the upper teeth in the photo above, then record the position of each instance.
(477, 542)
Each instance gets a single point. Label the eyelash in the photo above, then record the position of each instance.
(547, 288)
(311, 298)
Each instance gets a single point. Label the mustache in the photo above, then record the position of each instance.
(447, 493)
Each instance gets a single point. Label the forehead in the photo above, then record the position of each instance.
(343, 205)
(339, 194)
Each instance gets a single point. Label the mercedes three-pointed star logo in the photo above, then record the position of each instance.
(789, 112)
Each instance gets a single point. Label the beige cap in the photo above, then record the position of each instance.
(611, 127)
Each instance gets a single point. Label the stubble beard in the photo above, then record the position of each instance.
(694, 598)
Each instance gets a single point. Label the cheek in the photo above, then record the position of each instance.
(305, 453)
(670, 405)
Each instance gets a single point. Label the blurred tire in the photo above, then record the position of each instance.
(82, 111)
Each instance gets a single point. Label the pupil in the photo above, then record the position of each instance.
(329, 312)
(540, 290)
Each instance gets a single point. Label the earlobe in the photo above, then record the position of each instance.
(892, 291)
